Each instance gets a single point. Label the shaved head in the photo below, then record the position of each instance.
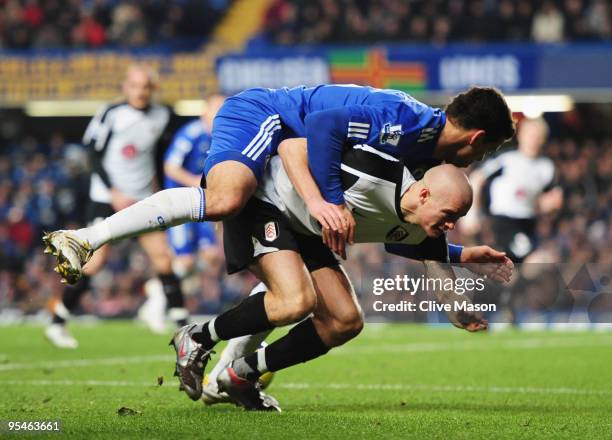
(449, 184)
(139, 85)
(437, 201)
(532, 135)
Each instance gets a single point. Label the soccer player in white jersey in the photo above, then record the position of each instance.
(123, 139)
(389, 206)
(520, 185)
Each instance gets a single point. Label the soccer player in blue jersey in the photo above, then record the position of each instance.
(183, 167)
(250, 127)
(247, 131)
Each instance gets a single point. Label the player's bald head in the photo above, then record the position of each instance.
(139, 85)
(532, 135)
(142, 73)
(448, 184)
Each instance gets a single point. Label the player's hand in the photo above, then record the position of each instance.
(486, 261)
(332, 220)
(470, 321)
(119, 200)
(338, 240)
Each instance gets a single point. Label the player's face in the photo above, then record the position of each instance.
(470, 153)
(438, 216)
(531, 136)
(138, 88)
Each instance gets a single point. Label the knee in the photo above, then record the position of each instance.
(300, 306)
(346, 328)
(224, 206)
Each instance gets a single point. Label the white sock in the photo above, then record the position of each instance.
(160, 211)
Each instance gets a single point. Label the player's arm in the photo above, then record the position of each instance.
(491, 169)
(329, 132)
(336, 221)
(181, 175)
(482, 260)
(434, 254)
(551, 199)
(96, 139)
(326, 132)
(174, 159)
(162, 144)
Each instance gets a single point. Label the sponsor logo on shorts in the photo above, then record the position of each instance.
(162, 223)
(271, 231)
(396, 234)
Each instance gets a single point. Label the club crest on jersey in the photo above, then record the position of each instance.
(391, 134)
(271, 231)
(396, 234)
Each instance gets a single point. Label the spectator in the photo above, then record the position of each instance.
(47, 24)
(436, 22)
(547, 24)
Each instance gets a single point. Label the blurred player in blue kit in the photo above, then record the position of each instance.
(183, 167)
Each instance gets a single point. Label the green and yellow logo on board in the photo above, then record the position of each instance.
(372, 67)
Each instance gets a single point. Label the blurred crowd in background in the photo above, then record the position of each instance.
(38, 24)
(43, 184)
(44, 180)
(437, 21)
(50, 24)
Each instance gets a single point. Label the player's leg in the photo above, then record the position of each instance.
(229, 185)
(244, 135)
(235, 348)
(156, 247)
(289, 298)
(258, 238)
(182, 240)
(157, 212)
(336, 320)
(340, 319)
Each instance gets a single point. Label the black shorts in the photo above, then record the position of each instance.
(96, 212)
(515, 236)
(261, 228)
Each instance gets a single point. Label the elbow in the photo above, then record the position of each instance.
(170, 169)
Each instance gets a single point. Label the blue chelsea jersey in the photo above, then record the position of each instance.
(188, 149)
(334, 117)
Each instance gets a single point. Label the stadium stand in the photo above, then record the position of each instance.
(439, 22)
(35, 24)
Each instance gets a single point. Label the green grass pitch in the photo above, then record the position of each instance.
(393, 381)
